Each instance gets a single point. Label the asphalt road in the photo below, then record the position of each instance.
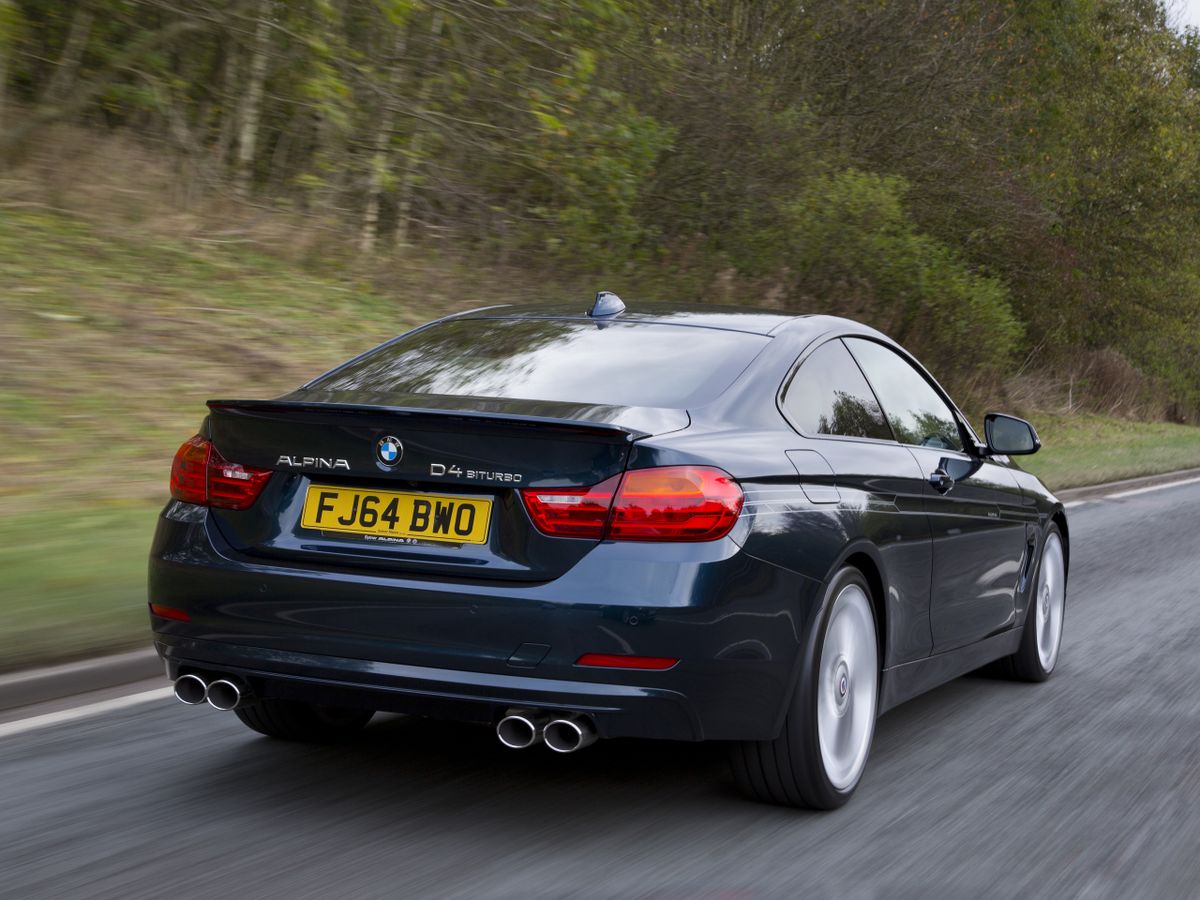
(1086, 786)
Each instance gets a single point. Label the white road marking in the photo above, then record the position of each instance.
(21, 726)
(1133, 492)
(1153, 487)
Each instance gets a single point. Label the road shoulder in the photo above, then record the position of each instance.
(33, 686)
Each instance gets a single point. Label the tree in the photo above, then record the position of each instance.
(984, 178)
(251, 109)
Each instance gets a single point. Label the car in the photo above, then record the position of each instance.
(574, 523)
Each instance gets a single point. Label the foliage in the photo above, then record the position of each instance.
(990, 180)
(849, 245)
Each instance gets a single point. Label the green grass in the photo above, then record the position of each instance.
(112, 343)
(1088, 449)
(116, 344)
(111, 346)
(74, 583)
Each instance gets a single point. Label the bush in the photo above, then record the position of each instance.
(850, 248)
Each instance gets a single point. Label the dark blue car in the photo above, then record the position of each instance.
(685, 524)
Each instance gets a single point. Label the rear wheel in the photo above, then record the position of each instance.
(821, 753)
(1037, 655)
(291, 720)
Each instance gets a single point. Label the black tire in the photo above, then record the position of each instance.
(790, 770)
(1027, 663)
(291, 720)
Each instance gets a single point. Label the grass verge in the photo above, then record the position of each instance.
(112, 343)
(1088, 449)
(74, 583)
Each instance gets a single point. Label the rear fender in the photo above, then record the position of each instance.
(813, 617)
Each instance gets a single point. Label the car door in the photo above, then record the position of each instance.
(974, 505)
(871, 486)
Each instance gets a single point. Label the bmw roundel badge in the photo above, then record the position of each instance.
(389, 450)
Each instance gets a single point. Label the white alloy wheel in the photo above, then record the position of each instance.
(848, 687)
(1050, 599)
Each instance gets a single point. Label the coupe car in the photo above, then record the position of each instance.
(571, 524)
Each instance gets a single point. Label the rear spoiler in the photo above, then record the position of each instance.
(581, 426)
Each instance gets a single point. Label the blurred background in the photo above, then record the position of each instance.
(227, 197)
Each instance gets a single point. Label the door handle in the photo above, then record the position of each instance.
(941, 481)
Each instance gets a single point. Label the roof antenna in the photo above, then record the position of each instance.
(607, 304)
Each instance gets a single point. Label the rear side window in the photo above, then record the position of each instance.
(914, 409)
(615, 363)
(829, 395)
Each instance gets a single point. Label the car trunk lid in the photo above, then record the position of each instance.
(456, 459)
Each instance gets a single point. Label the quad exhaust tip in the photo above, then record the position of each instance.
(190, 689)
(570, 733)
(224, 695)
(562, 732)
(518, 729)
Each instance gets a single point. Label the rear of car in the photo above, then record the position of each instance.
(490, 513)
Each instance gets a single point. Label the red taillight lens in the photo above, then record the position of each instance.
(234, 486)
(189, 472)
(572, 512)
(668, 503)
(675, 503)
(201, 475)
(620, 661)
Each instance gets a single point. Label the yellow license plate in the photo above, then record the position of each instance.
(425, 517)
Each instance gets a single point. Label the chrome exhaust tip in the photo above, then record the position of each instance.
(225, 695)
(190, 689)
(520, 729)
(570, 733)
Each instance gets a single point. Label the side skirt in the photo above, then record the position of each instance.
(906, 681)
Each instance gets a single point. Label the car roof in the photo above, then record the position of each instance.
(726, 318)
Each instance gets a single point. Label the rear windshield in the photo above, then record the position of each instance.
(622, 364)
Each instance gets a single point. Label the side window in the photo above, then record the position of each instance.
(915, 411)
(828, 395)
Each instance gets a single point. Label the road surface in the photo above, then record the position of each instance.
(1086, 786)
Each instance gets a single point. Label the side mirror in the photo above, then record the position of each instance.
(1009, 436)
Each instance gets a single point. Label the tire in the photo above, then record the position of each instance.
(291, 720)
(819, 757)
(1041, 637)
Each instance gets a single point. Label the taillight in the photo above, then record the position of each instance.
(668, 503)
(201, 475)
(189, 472)
(572, 512)
(675, 503)
(234, 486)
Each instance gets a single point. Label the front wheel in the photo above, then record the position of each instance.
(291, 720)
(1037, 655)
(821, 753)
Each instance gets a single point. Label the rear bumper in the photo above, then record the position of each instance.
(460, 649)
(618, 710)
